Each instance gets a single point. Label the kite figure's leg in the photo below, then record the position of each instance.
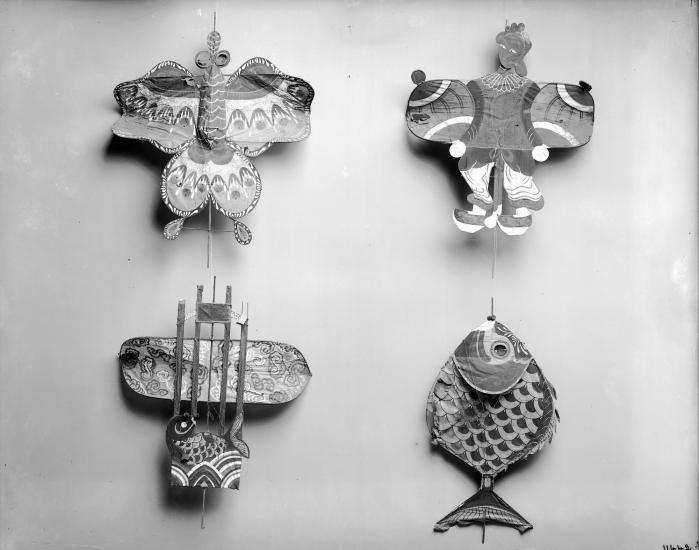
(523, 194)
(521, 189)
(477, 178)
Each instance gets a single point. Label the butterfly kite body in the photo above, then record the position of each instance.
(213, 124)
(500, 124)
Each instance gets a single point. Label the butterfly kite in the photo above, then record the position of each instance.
(213, 124)
(500, 124)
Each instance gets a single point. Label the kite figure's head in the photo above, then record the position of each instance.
(514, 44)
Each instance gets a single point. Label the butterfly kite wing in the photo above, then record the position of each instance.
(160, 107)
(441, 110)
(563, 114)
(265, 106)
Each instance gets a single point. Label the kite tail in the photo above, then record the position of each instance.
(482, 508)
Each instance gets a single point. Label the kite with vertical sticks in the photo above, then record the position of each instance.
(213, 124)
(497, 126)
(201, 370)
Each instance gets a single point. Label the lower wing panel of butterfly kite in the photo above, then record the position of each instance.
(200, 174)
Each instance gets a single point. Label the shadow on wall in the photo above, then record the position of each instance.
(482, 241)
(155, 160)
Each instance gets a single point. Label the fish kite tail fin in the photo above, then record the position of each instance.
(482, 508)
(233, 435)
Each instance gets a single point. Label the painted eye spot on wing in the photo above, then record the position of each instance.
(247, 177)
(280, 116)
(202, 183)
(185, 117)
(176, 176)
(259, 119)
(238, 120)
(218, 183)
(234, 188)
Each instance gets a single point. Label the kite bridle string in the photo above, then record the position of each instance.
(209, 265)
(493, 271)
(209, 244)
(498, 198)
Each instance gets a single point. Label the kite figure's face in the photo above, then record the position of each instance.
(512, 50)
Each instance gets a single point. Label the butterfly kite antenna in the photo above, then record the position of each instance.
(214, 20)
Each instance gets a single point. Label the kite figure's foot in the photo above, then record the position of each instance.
(470, 222)
(516, 224)
(481, 200)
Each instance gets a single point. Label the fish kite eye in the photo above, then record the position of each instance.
(183, 425)
(203, 59)
(500, 349)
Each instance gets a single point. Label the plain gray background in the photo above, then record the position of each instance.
(355, 260)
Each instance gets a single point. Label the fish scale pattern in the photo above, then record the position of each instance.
(200, 447)
(491, 432)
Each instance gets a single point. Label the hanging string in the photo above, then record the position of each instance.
(209, 266)
(498, 185)
(493, 273)
(209, 244)
(203, 508)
